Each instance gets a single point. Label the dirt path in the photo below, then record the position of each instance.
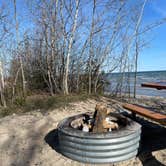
(24, 140)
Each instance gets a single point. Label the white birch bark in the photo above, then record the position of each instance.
(66, 90)
(19, 56)
(2, 85)
(137, 51)
(91, 49)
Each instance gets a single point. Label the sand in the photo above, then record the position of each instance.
(29, 139)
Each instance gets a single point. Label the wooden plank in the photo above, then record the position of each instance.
(158, 86)
(160, 118)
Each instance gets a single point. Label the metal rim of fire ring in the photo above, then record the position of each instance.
(99, 148)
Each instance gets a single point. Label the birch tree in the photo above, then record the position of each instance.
(19, 56)
(137, 44)
(4, 32)
(2, 85)
(66, 89)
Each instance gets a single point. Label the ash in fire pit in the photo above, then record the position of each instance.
(103, 120)
(99, 137)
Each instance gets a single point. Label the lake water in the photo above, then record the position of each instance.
(142, 77)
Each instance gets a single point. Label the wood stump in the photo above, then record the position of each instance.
(99, 118)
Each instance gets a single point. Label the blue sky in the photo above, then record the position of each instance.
(152, 57)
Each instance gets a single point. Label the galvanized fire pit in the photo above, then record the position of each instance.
(116, 145)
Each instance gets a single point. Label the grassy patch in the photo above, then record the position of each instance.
(43, 103)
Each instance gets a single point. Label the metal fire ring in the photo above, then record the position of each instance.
(109, 147)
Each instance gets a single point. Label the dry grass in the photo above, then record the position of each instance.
(43, 103)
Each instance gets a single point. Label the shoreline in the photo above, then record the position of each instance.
(137, 96)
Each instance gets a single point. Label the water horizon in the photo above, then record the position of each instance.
(142, 77)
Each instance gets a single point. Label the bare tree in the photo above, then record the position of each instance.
(19, 56)
(66, 91)
(4, 31)
(136, 45)
(68, 51)
(91, 47)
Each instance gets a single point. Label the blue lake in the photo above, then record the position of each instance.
(142, 77)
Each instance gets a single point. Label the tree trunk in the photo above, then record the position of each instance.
(2, 86)
(66, 89)
(19, 56)
(14, 84)
(90, 49)
(136, 54)
(136, 64)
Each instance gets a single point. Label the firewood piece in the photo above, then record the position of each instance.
(108, 125)
(109, 110)
(99, 116)
(77, 123)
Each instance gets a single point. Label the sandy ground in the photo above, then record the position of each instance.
(30, 139)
